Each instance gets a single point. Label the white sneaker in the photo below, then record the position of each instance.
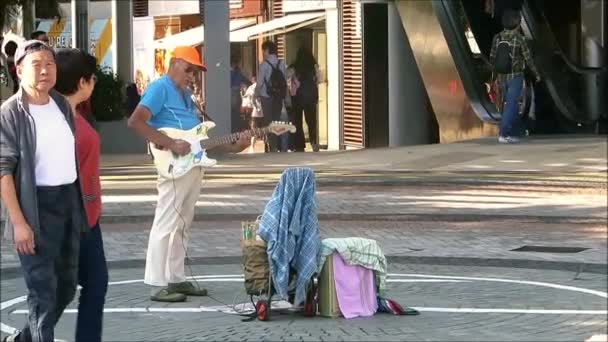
(508, 140)
(12, 337)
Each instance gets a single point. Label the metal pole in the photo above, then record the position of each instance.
(80, 24)
(29, 18)
(122, 49)
(217, 60)
(593, 21)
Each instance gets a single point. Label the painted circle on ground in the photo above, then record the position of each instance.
(391, 278)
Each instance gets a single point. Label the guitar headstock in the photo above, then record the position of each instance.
(281, 127)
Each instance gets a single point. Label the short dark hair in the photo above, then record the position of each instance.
(10, 48)
(73, 65)
(270, 46)
(511, 19)
(36, 34)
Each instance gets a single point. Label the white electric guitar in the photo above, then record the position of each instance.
(170, 165)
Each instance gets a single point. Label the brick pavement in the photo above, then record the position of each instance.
(431, 295)
(561, 154)
(415, 237)
(384, 200)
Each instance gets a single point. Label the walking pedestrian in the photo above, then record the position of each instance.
(509, 57)
(76, 81)
(40, 188)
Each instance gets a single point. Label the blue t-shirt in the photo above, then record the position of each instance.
(169, 108)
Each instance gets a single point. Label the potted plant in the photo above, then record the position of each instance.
(110, 115)
(107, 99)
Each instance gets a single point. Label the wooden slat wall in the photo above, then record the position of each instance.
(140, 8)
(351, 44)
(277, 12)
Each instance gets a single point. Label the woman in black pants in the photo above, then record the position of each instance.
(303, 79)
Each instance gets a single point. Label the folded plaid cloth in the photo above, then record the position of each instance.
(290, 226)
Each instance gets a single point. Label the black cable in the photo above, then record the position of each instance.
(186, 260)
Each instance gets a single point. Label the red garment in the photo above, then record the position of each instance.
(88, 149)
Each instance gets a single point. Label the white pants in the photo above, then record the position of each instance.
(169, 235)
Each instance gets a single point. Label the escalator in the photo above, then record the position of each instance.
(575, 91)
(572, 99)
(473, 66)
(452, 76)
(448, 34)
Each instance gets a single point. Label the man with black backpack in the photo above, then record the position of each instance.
(271, 89)
(509, 57)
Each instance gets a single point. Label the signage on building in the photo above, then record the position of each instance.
(307, 5)
(236, 4)
(245, 8)
(100, 37)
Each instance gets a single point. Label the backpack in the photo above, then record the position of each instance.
(276, 85)
(503, 64)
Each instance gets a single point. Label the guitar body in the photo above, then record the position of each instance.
(169, 165)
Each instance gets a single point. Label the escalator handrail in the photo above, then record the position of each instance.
(527, 10)
(579, 69)
(475, 97)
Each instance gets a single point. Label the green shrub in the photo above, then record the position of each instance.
(107, 101)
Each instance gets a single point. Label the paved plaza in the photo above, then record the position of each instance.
(453, 235)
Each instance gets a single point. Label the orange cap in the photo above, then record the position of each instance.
(190, 55)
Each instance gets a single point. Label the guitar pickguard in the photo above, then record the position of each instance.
(171, 165)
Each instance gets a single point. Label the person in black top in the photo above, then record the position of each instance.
(303, 79)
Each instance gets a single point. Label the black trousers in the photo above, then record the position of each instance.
(271, 108)
(236, 123)
(93, 277)
(51, 274)
(310, 115)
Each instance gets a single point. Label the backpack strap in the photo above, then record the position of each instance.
(273, 68)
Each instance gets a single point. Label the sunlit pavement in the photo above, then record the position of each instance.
(460, 223)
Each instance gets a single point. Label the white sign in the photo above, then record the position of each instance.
(307, 5)
(173, 7)
(236, 4)
(143, 51)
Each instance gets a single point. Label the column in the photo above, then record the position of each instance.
(333, 79)
(217, 60)
(122, 37)
(80, 24)
(28, 18)
(408, 116)
(593, 54)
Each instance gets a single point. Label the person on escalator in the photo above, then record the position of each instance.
(509, 57)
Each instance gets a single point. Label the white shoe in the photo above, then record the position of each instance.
(508, 140)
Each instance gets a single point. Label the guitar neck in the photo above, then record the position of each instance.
(231, 138)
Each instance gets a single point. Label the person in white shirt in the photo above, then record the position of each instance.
(254, 106)
(40, 188)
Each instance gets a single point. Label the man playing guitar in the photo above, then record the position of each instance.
(167, 103)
